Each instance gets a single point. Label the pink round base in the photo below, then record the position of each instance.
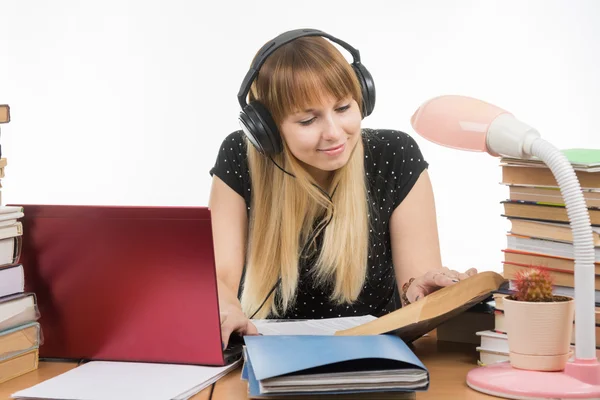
(503, 380)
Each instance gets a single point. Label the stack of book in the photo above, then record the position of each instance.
(540, 234)
(20, 333)
(493, 343)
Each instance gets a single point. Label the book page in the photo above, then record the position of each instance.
(325, 326)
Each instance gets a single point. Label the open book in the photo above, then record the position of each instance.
(416, 319)
(409, 323)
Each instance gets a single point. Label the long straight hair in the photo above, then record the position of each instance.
(285, 210)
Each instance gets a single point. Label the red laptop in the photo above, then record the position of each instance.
(124, 283)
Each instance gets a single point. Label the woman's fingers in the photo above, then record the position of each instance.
(227, 328)
(443, 280)
(250, 329)
(462, 276)
(456, 275)
(230, 322)
(235, 322)
(415, 292)
(436, 279)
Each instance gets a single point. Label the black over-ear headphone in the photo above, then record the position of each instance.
(256, 121)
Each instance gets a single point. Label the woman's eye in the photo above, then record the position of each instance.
(307, 122)
(344, 108)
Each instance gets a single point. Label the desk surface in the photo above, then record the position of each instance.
(448, 364)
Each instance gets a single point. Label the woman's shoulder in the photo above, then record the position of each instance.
(385, 135)
(235, 137)
(393, 162)
(231, 164)
(232, 149)
(389, 143)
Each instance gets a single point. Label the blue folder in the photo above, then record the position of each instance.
(276, 356)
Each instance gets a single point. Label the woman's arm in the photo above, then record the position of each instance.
(229, 227)
(415, 243)
(414, 232)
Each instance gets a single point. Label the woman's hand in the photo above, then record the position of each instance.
(234, 320)
(434, 280)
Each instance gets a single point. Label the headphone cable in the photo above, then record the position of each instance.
(312, 236)
(314, 184)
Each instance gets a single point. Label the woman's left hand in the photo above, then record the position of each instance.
(434, 280)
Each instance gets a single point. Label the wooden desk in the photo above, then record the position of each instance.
(448, 364)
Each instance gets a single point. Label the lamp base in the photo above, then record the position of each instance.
(579, 380)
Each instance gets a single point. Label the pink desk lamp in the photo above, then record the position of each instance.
(469, 124)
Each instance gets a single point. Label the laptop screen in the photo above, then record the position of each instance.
(123, 283)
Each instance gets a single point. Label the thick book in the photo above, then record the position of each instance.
(12, 279)
(559, 231)
(4, 113)
(416, 319)
(550, 195)
(537, 176)
(18, 365)
(18, 309)
(544, 212)
(20, 339)
(326, 364)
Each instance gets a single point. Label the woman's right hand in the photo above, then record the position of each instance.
(234, 320)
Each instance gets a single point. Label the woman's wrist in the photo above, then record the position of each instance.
(227, 299)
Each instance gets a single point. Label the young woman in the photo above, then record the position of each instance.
(320, 217)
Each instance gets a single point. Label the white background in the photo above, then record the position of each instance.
(126, 102)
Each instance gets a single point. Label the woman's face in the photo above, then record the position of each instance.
(323, 136)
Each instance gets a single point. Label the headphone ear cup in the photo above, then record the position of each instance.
(367, 86)
(260, 129)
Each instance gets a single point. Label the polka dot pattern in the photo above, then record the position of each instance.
(393, 162)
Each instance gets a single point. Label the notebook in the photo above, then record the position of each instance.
(101, 380)
(325, 364)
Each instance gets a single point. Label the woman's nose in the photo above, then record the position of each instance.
(332, 131)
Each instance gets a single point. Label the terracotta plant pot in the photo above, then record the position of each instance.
(539, 333)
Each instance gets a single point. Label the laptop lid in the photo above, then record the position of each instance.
(124, 283)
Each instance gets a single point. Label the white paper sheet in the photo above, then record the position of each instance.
(325, 326)
(100, 380)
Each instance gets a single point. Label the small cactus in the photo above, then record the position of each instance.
(533, 284)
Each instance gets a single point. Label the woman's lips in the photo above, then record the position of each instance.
(332, 151)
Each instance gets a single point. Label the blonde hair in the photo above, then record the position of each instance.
(286, 210)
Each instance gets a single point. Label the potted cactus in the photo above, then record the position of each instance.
(539, 324)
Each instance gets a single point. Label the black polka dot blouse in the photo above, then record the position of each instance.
(393, 162)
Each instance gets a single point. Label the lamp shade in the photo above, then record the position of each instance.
(459, 122)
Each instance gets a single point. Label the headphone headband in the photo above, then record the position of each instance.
(276, 43)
